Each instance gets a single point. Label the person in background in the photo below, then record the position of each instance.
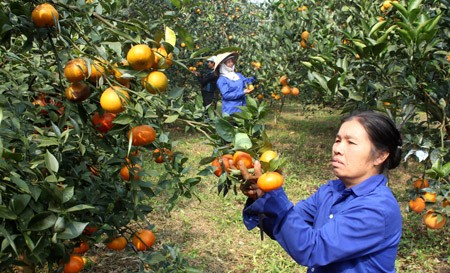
(210, 93)
(351, 224)
(232, 85)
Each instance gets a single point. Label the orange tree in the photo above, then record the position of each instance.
(64, 140)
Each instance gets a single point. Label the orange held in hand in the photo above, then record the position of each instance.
(246, 158)
(143, 239)
(270, 181)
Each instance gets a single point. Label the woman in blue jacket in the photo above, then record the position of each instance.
(232, 85)
(351, 224)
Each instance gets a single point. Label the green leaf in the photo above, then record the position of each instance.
(19, 202)
(376, 27)
(51, 162)
(242, 141)
(21, 184)
(73, 230)
(170, 36)
(42, 221)
(79, 207)
(446, 169)
(171, 118)
(224, 129)
(6, 213)
(414, 4)
(67, 194)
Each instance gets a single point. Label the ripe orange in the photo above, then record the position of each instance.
(155, 82)
(140, 57)
(143, 239)
(114, 99)
(445, 203)
(183, 44)
(434, 220)
(303, 44)
(78, 91)
(305, 35)
(103, 123)
(286, 90)
(142, 135)
(277, 97)
(284, 80)
(270, 181)
(44, 15)
(295, 91)
(260, 96)
(82, 248)
(158, 155)
(125, 172)
(117, 243)
(244, 157)
(97, 71)
(89, 230)
(430, 197)
(417, 205)
(162, 53)
(76, 70)
(216, 163)
(267, 156)
(74, 265)
(421, 183)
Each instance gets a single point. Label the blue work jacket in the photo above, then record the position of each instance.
(233, 93)
(336, 229)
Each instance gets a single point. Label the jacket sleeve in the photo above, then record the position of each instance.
(354, 232)
(229, 92)
(207, 78)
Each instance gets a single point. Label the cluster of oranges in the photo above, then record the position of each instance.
(268, 181)
(304, 41)
(432, 219)
(286, 89)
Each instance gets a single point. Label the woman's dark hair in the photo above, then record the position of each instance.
(383, 133)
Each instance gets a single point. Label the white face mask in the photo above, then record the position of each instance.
(228, 72)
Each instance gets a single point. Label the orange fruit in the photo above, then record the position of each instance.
(445, 203)
(260, 96)
(267, 156)
(183, 44)
(155, 82)
(387, 4)
(244, 157)
(77, 91)
(82, 247)
(421, 183)
(103, 123)
(162, 53)
(434, 220)
(118, 77)
(284, 80)
(303, 44)
(295, 91)
(305, 35)
(277, 97)
(74, 265)
(76, 70)
(89, 230)
(97, 71)
(44, 15)
(218, 170)
(430, 197)
(270, 181)
(114, 99)
(417, 205)
(158, 155)
(142, 135)
(140, 57)
(125, 172)
(117, 243)
(143, 239)
(285, 90)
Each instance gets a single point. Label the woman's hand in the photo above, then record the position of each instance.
(249, 187)
(247, 91)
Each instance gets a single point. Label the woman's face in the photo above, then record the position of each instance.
(230, 62)
(354, 159)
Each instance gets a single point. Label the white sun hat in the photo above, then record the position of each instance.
(222, 57)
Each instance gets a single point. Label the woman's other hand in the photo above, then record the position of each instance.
(249, 187)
